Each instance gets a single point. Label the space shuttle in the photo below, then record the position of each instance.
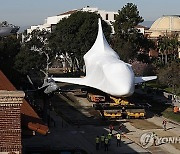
(105, 70)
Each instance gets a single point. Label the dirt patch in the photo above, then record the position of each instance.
(177, 146)
(143, 124)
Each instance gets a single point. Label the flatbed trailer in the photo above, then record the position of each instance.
(128, 114)
(95, 98)
(112, 114)
(136, 113)
(115, 108)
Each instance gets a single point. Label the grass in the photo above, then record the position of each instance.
(165, 110)
(158, 107)
(168, 113)
(154, 84)
(162, 109)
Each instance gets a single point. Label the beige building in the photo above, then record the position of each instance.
(165, 26)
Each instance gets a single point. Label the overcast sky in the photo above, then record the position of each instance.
(33, 12)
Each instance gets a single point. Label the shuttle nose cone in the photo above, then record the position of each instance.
(123, 79)
(54, 87)
(127, 90)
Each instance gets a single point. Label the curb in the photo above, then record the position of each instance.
(173, 122)
(137, 143)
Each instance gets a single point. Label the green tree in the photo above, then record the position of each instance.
(127, 39)
(168, 47)
(9, 48)
(77, 33)
(32, 55)
(170, 75)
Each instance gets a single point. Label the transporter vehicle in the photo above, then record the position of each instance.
(115, 108)
(95, 98)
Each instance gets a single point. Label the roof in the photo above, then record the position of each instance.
(29, 117)
(140, 26)
(166, 23)
(68, 12)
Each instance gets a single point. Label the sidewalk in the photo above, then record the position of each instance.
(65, 136)
(173, 130)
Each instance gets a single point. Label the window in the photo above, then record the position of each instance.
(115, 15)
(106, 16)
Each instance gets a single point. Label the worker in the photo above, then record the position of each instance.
(109, 136)
(102, 140)
(118, 137)
(176, 109)
(97, 142)
(111, 128)
(164, 123)
(123, 109)
(106, 142)
(120, 128)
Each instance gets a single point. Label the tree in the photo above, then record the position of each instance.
(142, 69)
(168, 45)
(76, 34)
(127, 39)
(33, 53)
(9, 48)
(170, 75)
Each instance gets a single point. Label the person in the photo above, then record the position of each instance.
(155, 138)
(118, 137)
(111, 128)
(106, 142)
(97, 142)
(120, 128)
(109, 136)
(164, 124)
(102, 140)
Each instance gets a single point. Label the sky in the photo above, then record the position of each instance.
(34, 12)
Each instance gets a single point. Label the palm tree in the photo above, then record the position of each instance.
(168, 46)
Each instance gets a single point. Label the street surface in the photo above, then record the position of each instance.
(77, 125)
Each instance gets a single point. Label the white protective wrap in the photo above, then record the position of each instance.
(104, 70)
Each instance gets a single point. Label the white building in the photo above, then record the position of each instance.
(107, 16)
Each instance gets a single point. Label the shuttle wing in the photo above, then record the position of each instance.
(144, 79)
(79, 81)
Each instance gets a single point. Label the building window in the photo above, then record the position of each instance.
(106, 16)
(115, 15)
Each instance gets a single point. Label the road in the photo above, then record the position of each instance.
(77, 125)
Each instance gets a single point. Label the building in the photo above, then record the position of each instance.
(10, 121)
(166, 25)
(30, 119)
(142, 29)
(16, 117)
(107, 16)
